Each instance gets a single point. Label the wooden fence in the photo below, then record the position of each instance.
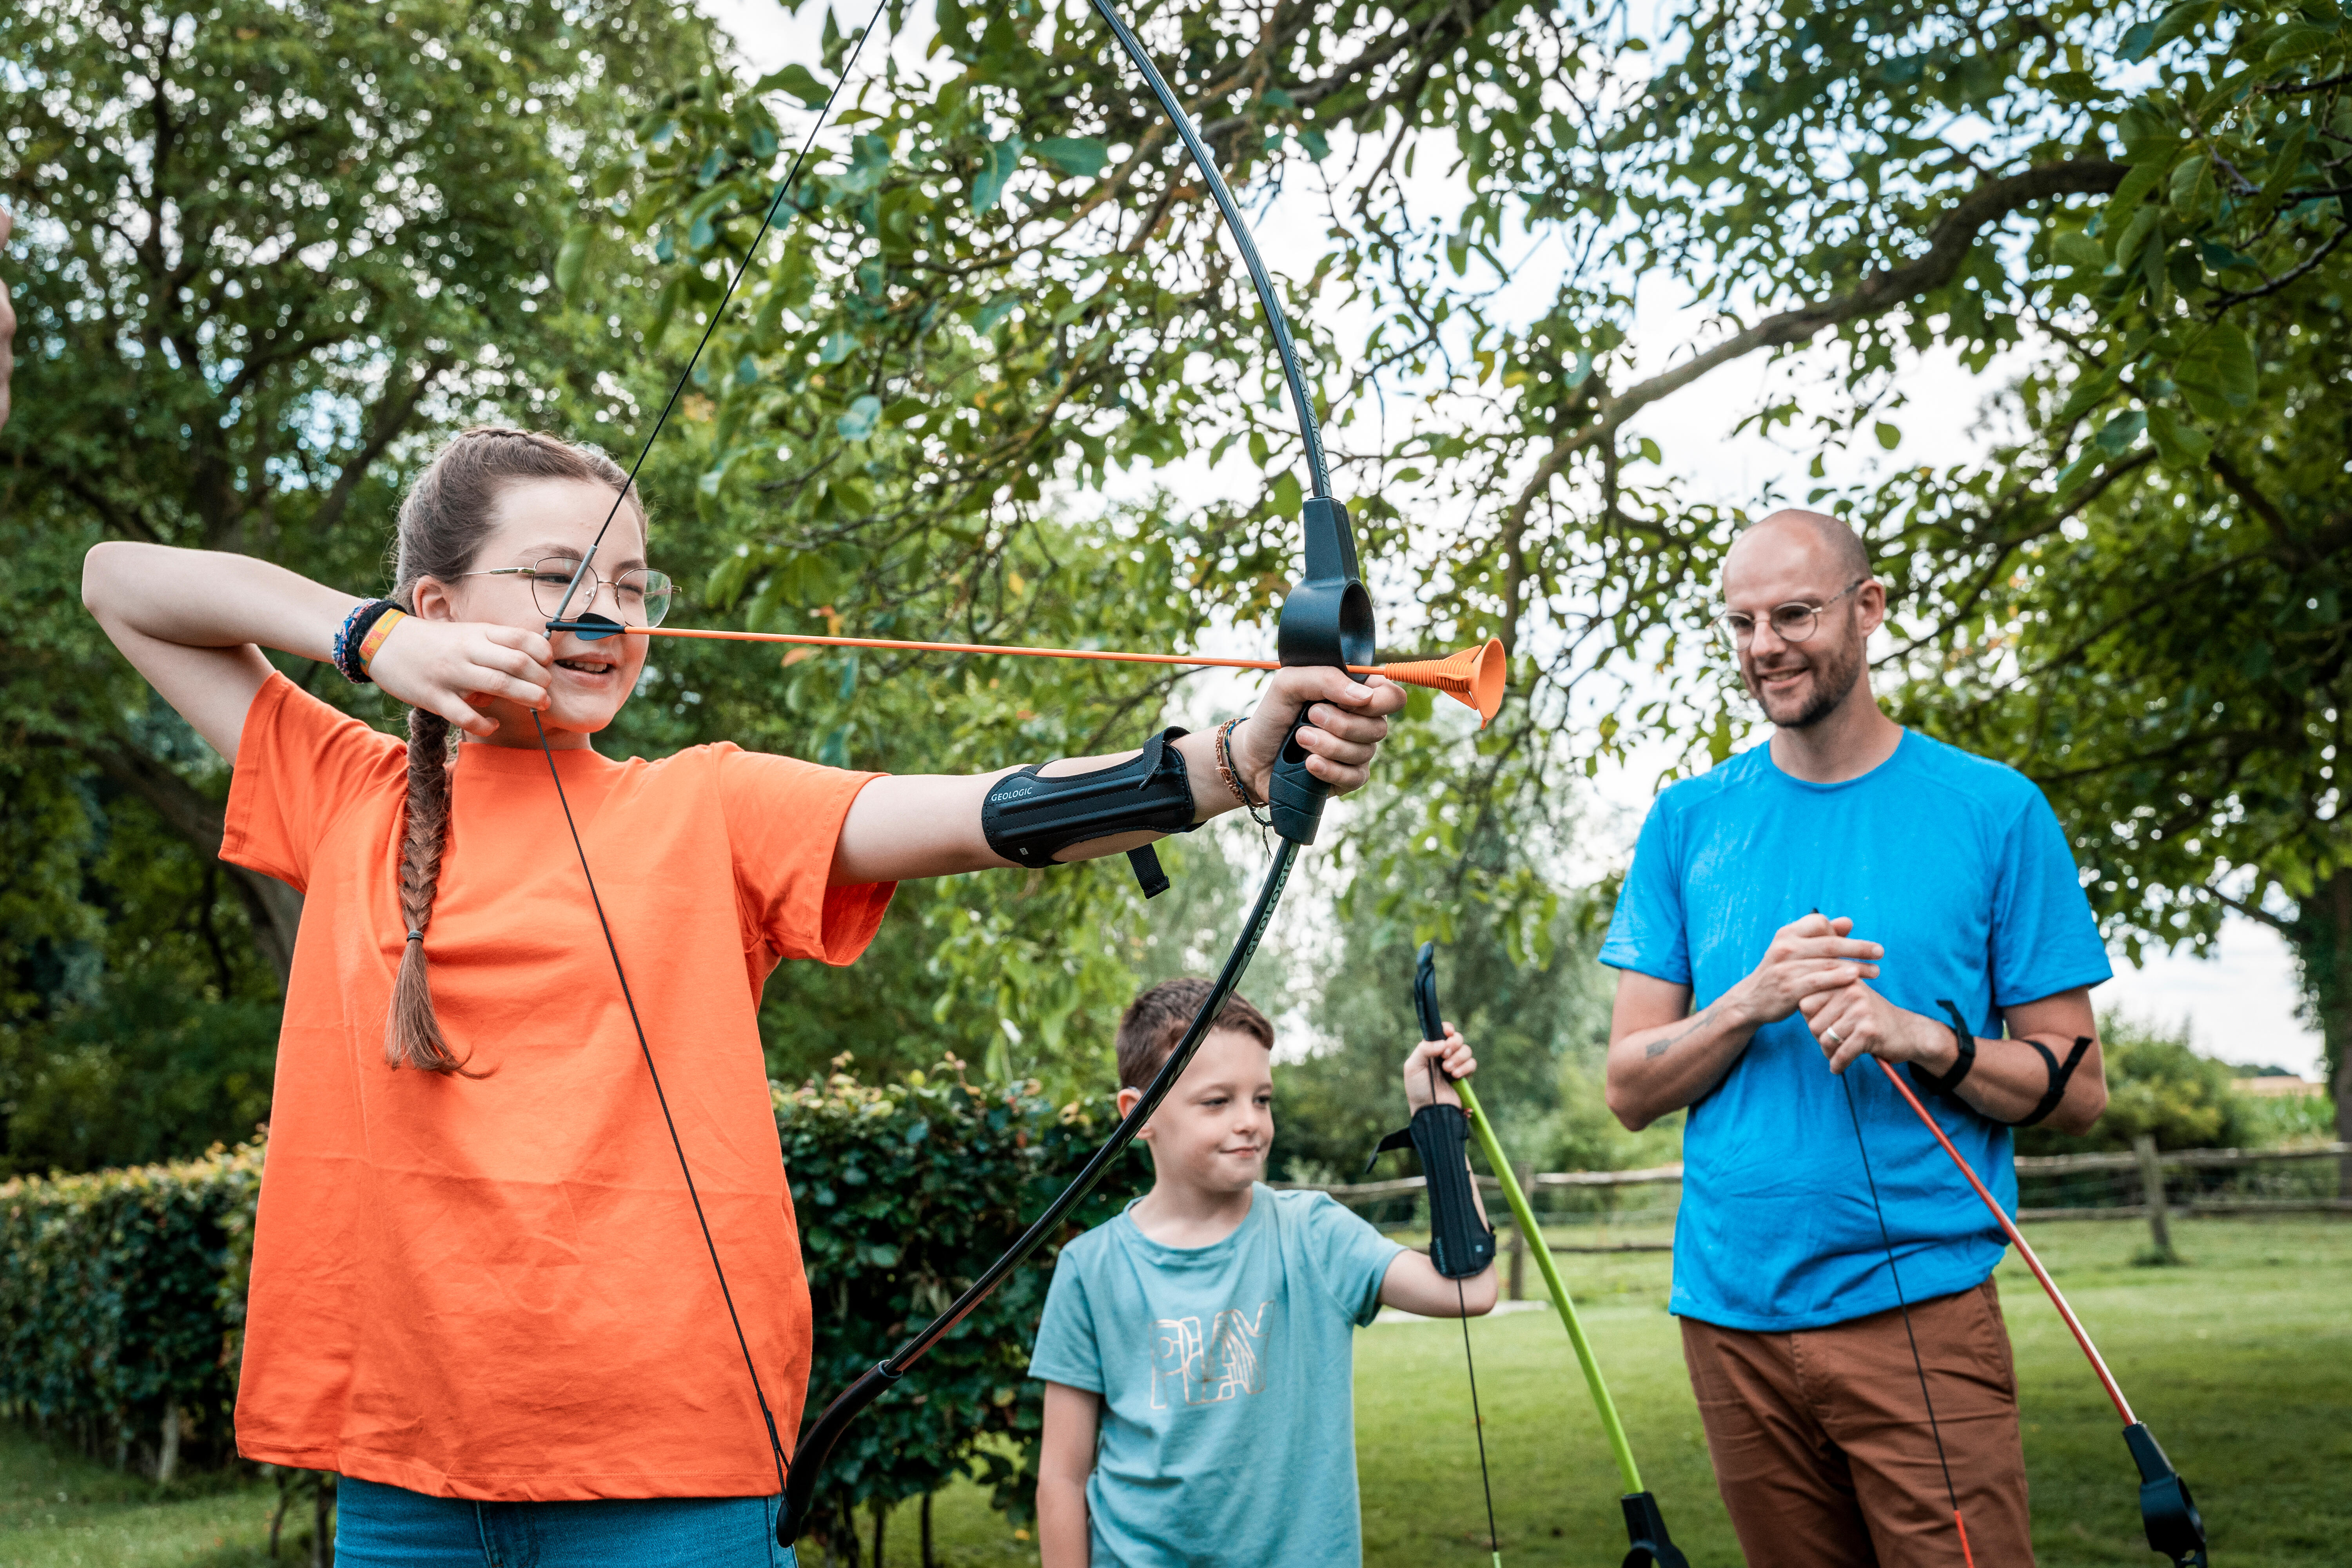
(2143, 1161)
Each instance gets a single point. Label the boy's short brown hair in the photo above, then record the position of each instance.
(1156, 1020)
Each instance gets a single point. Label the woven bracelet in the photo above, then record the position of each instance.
(1227, 772)
(355, 628)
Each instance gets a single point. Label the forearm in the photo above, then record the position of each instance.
(1412, 1284)
(929, 824)
(1662, 1068)
(1063, 1538)
(2010, 1078)
(1073, 1423)
(206, 598)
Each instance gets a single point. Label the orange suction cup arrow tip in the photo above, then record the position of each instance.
(1473, 677)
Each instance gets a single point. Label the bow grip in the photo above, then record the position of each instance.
(1327, 619)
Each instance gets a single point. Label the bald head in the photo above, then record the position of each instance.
(1821, 540)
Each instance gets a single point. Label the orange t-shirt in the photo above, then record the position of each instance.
(494, 1287)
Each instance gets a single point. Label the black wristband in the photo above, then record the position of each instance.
(354, 632)
(1965, 1040)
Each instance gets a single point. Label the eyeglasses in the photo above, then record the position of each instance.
(641, 595)
(1793, 622)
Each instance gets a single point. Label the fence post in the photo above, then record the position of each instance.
(2151, 1182)
(1525, 1169)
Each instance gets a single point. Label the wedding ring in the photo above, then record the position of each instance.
(1831, 1037)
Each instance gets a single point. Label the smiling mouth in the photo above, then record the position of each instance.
(585, 666)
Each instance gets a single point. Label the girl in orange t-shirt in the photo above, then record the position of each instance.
(480, 1286)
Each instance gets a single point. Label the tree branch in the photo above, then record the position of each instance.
(1950, 240)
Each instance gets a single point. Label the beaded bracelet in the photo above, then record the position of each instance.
(356, 627)
(1226, 771)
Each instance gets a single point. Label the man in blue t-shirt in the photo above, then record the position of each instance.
(1199, 1348)
(1849, 889)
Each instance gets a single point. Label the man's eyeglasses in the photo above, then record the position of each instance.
(1793, 622)
(641, 595)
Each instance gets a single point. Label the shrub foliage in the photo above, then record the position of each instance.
(122, 1295)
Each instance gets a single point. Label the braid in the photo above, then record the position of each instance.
(442, 520)
(412, 1034)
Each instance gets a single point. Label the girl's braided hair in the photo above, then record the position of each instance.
(443, 521)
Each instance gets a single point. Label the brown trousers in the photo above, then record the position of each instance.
(1820, 1441)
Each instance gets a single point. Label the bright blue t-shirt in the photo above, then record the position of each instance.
(1227, 1377)
(1955, 864)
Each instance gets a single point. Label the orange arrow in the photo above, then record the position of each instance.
(1473, 677)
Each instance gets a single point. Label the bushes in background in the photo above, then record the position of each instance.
(121, 1293)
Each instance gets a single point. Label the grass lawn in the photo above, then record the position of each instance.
(2242, 1363)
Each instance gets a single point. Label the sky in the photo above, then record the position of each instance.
(2239, 1005)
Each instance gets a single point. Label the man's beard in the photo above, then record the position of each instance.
(1835, 668)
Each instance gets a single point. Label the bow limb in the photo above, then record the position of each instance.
(1645, 1527)
(1326, 620)
(2169, 1513)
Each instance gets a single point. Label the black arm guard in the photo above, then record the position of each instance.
(1029, 820)
(2061, 1073)
(1459, 1243)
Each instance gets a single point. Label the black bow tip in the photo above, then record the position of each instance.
(2174, 1526)
(1645, 1527)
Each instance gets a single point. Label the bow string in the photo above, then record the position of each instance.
(1325, 620)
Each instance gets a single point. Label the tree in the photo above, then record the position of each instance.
(274, 249)
(2142, 601)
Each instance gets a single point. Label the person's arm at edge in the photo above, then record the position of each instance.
(1413, 1283)
(1065, 1459)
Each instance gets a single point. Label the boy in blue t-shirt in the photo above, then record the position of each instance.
(1198, 1351)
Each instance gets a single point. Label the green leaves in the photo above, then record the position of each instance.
(1084, 156)
(796, 80)
(998, 165)
(2217, 373)
(572, 256)
(2179, 444)
(859, 423)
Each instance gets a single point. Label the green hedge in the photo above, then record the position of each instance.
(122, 1292)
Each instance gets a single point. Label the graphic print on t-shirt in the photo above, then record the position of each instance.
(1224, 1364)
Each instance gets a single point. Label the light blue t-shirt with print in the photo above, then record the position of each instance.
(1958, 866)
(1227, 1377)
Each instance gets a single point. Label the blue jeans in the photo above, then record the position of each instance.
(377, 1526)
